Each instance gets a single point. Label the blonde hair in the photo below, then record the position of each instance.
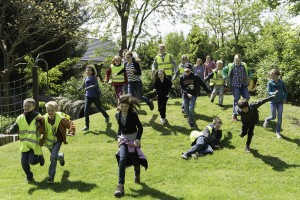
(51, 103)
(29, 100)
(220, 61)
(115, 58)
(162, 45)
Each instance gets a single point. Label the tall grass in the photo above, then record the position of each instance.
(271, 171)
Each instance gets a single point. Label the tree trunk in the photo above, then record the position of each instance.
(124, 22)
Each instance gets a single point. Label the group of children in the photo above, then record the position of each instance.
(50, 130)
(35, 130)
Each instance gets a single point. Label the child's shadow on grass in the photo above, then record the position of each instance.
(202, 117)
(226, 107)
(108, 131)
(296, 141)
(167, 128)
(64, 186)
(274, 162)
(153, 193)
(226, 143)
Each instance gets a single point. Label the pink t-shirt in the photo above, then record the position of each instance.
(209, 67)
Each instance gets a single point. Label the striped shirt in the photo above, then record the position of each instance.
(130, 75)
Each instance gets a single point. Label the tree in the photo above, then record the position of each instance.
(29, 27)
(133, 17)
(176, 45)
(228, 20)
(294, 5)
(199, 43)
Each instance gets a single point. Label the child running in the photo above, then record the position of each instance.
(56, 127)
(276, 87)
(203, 142)
(129, 135)
(162, 86)
(217, 82)
(29, 127)
(118, 81)
(190, 86)
(249, 117)
(92, 95)
(133, 72)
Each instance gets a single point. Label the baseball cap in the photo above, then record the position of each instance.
(188, 66)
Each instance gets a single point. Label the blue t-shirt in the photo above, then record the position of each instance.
(93, 91)
(282, 91)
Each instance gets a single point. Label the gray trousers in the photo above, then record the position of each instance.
(218, 89)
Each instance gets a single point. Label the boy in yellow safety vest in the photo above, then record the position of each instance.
(203, 142)
(217, 82)
(56, 124)
(29, 127)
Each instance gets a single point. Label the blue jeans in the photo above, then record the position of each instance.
(87, 105)
(189, 105)
(237, 92)
(279, 108)
(136, 89)
(54, 157)
(29, 158)
(124, 155)
(201, 144)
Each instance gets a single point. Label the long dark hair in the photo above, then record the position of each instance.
(133, 102)
(160, 70)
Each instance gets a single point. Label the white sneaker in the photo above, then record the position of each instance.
(266, 123)
(163, 121)
(278, 135)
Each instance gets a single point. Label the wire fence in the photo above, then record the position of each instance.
(12, 95)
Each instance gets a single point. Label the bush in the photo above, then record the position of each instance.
(69, 90)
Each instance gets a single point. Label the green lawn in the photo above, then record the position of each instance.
(271, 171)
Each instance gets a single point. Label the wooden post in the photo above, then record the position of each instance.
(35, 84)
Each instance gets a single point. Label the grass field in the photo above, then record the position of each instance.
(271, 171)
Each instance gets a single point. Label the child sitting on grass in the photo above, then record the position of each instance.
(249, 117)
(56, 127)
(203, 142)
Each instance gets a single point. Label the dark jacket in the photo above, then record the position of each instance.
(252, 116)
(191, 84)
(162, 88)
(132, 125)
(213, 137)
(136, 66)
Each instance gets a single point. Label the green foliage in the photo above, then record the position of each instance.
(269, 172)
(147, 52)
(6, 121)
(278, 47)
(107, 97)
(69, 89)
(148, 82)
(42, 107)
(176, 45)
(50, 82)
(199, 44)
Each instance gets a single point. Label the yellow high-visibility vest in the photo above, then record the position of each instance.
(29, 137)
(166, 65)
(52, 129)
(195, 134)
(115, 70)
(217, 78)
